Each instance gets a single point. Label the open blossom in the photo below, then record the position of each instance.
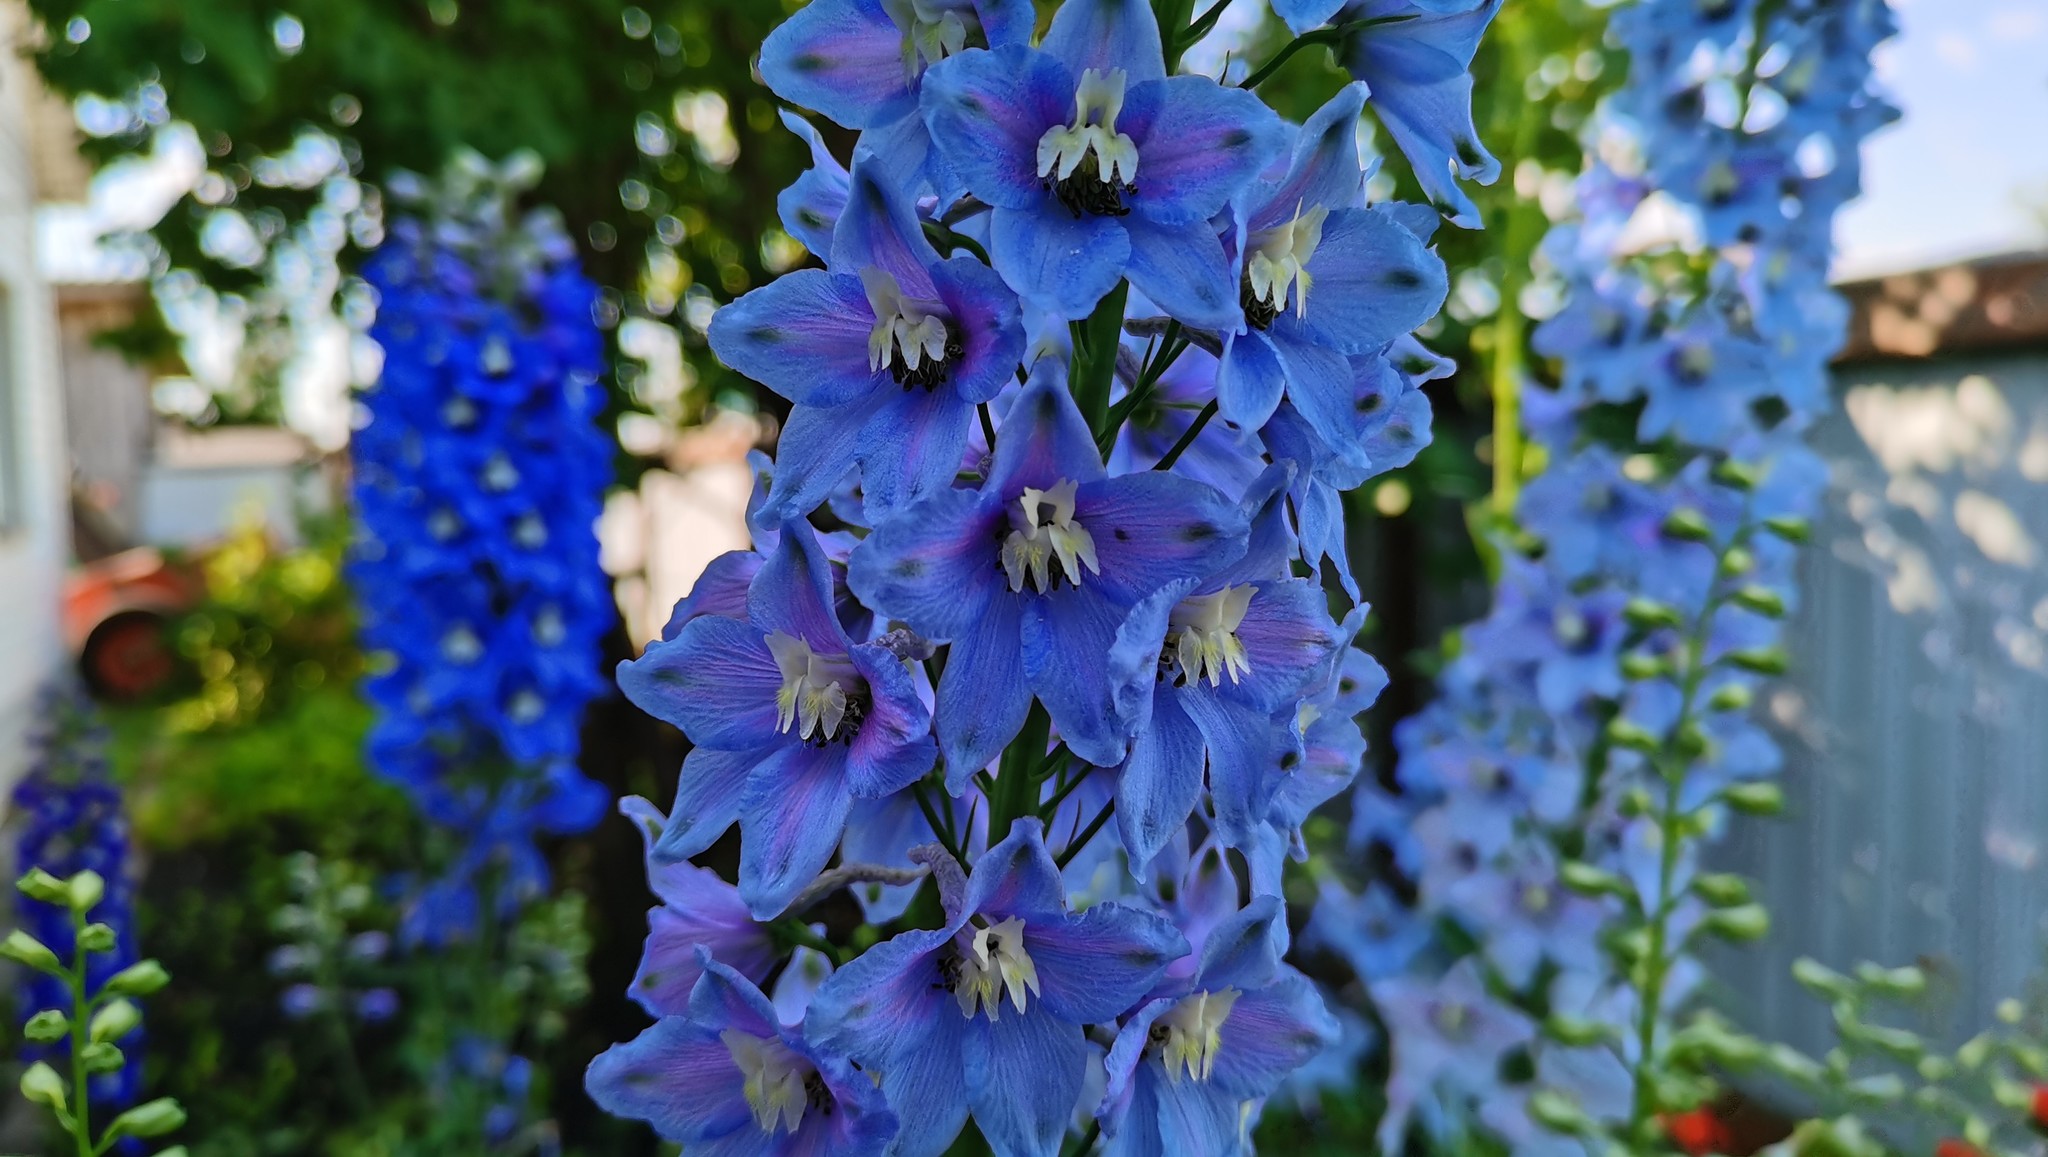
(1030, 575)
(698, 910)
(985, 1014)
(1099, 165)
(792, 720)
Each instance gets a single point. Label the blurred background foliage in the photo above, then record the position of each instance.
(664, 155)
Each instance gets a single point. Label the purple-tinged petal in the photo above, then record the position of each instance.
(983, 696)
(1066, 643)
(987, 110)
(668, 961)
(911, 447)
(990, 321)
(721, 590)
(1422, 91)
(1134, 656)
(1250, 382)
(818, 449)
(1183, 270)
(934, 566)
(803, 335)
(1062, 263)
(793, 592)
(715, 680)
(1153, 529)
(1289, 638)
(1105, 35)
(725, 999)
(1017, 877)
(1240, 743)
(1270, 1033)
(676, 1076)
(810, 207)
(1093, 967)
(1306, 15)
(791, 818)
(1373, 281)
(887, 1010)
(893, 748)
(1325, 169)
(1043, 439)
(708, 795)
(843, 58)
(1206, 143)
(880, 229)
(903, 147)
(1242, 951)
(1024, 1074)
(1161, 782)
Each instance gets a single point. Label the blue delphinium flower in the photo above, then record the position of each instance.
(1187, 1064)
(886, 354)
(725, 1075)
(697, 910)
(793, 720)
(1099, 165)
(985, 1014)
(1030, 576)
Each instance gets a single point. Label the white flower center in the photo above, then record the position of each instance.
(931, 31)
(996, 963)
(497, 357)
(1046, 546)
(813, 697)
(1277, 260)
(1204, 628)
(1097, 100)
(1191, 1034)
(775, 1079)
(908, 334)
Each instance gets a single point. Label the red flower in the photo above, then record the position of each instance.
(2041, 1107)
(1699, 1132)
(1956, 1147)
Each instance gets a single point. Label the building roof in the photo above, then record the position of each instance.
(1985, 305)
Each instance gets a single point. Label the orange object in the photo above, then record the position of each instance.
(114, 616)
(1956, 1147)
(1699, 1132)
(2041, 1107)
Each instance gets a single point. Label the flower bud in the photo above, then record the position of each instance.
(20, 946)
(1789, 528)
(151, 1119)
(102, 1057)
(47, 1026)
(1721, 889)
(40, 885)
(138, 979)
(1755, 799)
(1744, 922)
(1688, 525)
(1763, 600)
(96, 938)
(115, 1021)
(1731, 697)
(41, 1084)
(85, 890)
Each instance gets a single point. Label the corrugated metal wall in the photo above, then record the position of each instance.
(1915, 721)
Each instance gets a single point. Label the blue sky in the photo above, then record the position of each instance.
(1953, 178)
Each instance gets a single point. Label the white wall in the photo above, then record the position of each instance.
(35, 527)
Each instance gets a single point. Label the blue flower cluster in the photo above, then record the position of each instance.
(67, 813)
(1547, 811)
(1093, 349)
(479, 477)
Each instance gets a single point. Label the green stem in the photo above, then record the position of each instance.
(81, 1016)
(944, 832)
(1095, 346)
(1187, 439)
(988, 434)
(1075, 845)
(1171, 346)
(1095, 1127)
(1016, 789)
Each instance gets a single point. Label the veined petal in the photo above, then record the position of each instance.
(708, 794)
(911, 447)
(1183, 270)
(1043, 439)
(791, 818)
(1024, 1075)
(725, 999)
(817, 450)
(1067, 638)
(1325, 169)
(886, 1010)
(1289, 637)
(1060, 262)
(1422, 90)
(1270, 1033)
(1306, 15)
(991, 327)
(1374, 281)
(1321, 384)
(1161, 782)
(1240, 742)
(1017, 877)
(1251, 381)
(1094, 966)
(987, 109)
(1153, 529)
(880, 229)
(721, 590)
(715, 680)
(843, 58)
(983, 696)
(1206, 143)
(894, 747)
(932, 566)
(1242, 951)
(803, 335)
(1105, 35)
(793, 592)
(677, 1077)
(668, 961)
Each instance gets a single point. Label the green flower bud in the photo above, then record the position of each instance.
(139, 979)
(1648, 614)
(151, 1119)
(41, 885)
(115, 1021)
(1755, 799)
(1636, 665)
(1731, 697)
(1736, 475)
(1721, 889)
(1744, 922)
(85, 890)
(1558, 1113)
(1689, 525)
(1623, 733)
(1588, 880)
(1575, 1032)
(1892, 981)
(1974, 1052)
(1737, 562)
(1789, 528)
(1762, 660)
(28, 950)
(41, 1084)
(96, 938)
(46, 1026)
(103, 1057)
(1762, 600)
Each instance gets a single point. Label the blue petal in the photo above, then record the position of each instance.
(803, 335)
(810, 207)
(676, 1076)
(1159, 785)
(715, 680)
(1059, 261)
(1017, 877)
(1067, 637)
(1398, 442)
(1326, 169)
(725, 999)
(708, 794)
(1251, 381)
(983, 696)
(791, 818)
(989, 318)
(1183, 270)
(1289, 638)
(911, 447)
(1240, 743)
(1306, 15)
(1270, 1033)
(934, 566)
(1422, 90)
(793, 592)
(818, 449)
(880, 229)
(1093, 967)
(893, 748)
(883, 832)
(1206, 143)
(903, 148)
(887, 1011)
(1024, 1074)
(721, 590)
(1242, 952)
(1271, 545)
(1043, 439)
(843, 58)
(1153, 529)
(1105, 35)
(1373, 282)
(987, 110)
